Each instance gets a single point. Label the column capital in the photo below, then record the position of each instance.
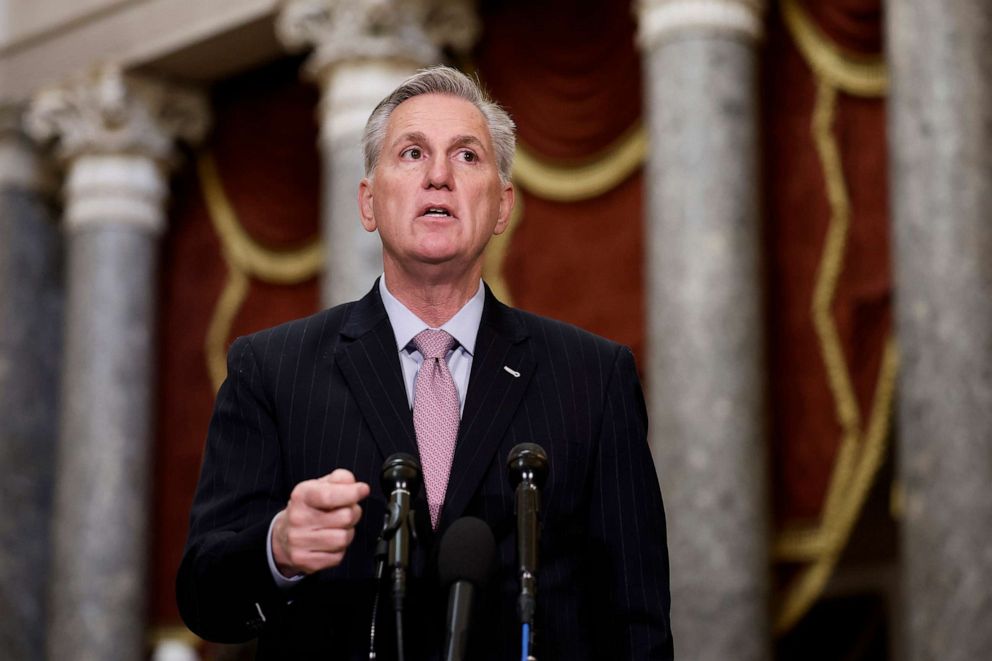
(414, 32)
(117, 135)
(662, 20)
(105, 112)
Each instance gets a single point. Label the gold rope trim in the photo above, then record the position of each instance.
(835, 531)
(233, 295)
(862, 450)
(831, 266)
(245, 259)
(853, 73)
(573, 183)
(271, 266)
(495, 255)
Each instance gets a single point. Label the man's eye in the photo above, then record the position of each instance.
(469, 156)
(413, 152)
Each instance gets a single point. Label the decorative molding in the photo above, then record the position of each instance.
(115, 189)
(106, 112)
(664, 20)
(413, 31)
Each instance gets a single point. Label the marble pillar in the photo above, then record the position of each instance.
(706, 372)
(940, 143)
(363, 49)
(116, 136)
(30, 351)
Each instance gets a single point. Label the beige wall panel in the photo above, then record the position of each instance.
(31, 18)
(131, 33)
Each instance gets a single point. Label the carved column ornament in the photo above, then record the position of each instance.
(106, 112)
(118, 134)
(411, 31)
(363, 48)
(661, 20)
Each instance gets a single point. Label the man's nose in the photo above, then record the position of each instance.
(439, 174)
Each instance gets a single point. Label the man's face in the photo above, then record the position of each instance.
(436, 196)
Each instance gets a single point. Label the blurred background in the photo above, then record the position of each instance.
(781, 207)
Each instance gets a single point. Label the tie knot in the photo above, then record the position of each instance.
(433, 343)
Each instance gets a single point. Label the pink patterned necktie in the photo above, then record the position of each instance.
(436, 414)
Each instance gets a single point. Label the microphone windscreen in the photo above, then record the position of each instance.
(527, 460)
(400, 471)
(466, 553)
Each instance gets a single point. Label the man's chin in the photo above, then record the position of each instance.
(436, 254)
(437, 260)
(437, 263)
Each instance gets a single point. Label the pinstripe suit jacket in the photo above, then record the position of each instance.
(323, 392)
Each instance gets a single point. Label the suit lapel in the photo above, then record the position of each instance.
(368, 359)
(494, 393)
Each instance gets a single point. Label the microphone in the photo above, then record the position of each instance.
(465, 560)
(400, 479)
(528, 468)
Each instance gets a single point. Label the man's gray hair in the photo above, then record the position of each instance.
(442, 80)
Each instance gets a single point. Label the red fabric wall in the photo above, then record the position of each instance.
(582, 261)
(264, 144)
(570, 75)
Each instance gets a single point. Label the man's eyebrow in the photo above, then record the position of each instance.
(420, 138)
(466, 140)
(412, 136)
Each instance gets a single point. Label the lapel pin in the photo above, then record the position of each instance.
(514, 373)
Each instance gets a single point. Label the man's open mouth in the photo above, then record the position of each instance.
(436, 212)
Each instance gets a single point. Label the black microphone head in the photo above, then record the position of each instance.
(400, 471)
(467, 552)
(527, 461)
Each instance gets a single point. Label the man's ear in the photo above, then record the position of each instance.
(506, 200)
(365, 205)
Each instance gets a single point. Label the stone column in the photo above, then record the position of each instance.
(363, 49)
(115, 135)
(940, 133)
(706, 374)
(30, 351)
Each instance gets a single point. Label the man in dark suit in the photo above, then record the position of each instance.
(289, 507)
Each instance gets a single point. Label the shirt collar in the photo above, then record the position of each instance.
(464, 326)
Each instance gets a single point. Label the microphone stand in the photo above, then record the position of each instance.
(381, 550)
(528, 468)
(528, 499)
(398, 532)
(400, 479)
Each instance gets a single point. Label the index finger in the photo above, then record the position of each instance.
(339, 476)
(328, 496)
(345, 476)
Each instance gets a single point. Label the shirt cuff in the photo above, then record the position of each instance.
(281, 581)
